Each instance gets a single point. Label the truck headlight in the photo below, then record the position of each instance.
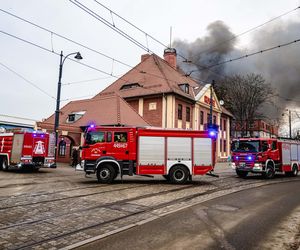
(232, 164)
(257, 167)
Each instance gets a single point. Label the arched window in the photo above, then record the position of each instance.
(62, 146)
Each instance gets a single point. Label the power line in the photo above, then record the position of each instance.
(77, 97)
(89, 80)
(183, 57)
(131, 24)
(64, 37)
(254, 53)
(110, 25)
(110, 74)
(68, 39)
(249, 30)
(53, 52)
(22, 77)
(127, 36)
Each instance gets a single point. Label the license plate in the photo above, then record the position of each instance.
(242, 164)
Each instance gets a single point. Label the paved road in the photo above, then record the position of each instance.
(59, 208)
(248, 219)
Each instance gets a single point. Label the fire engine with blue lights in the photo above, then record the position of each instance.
(175, 154)
(26, 150)
(266, 156)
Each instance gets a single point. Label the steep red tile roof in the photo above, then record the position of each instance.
(151, 76)
(104, 110)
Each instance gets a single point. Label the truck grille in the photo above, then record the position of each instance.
(38, 159)
(244, 160)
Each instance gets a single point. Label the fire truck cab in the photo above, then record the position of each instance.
(174, 154)
(265, 156)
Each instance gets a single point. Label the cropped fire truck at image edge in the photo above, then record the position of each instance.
(265, 156)
(177, 155)
(27, 150)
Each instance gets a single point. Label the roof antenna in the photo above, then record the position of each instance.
(170, 36)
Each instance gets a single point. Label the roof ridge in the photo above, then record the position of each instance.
(161, 70)
(128, 72)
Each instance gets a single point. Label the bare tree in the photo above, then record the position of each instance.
(244, 96)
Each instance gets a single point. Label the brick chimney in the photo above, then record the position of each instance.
(170, 57)
(145, 57)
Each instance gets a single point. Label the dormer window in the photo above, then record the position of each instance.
(74, 116)
(185, 87)
(130, 86)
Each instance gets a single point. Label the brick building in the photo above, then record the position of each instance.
(153, 93)
(165, 97)
(259, 128)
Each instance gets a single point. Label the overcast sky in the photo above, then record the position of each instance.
(188, 19)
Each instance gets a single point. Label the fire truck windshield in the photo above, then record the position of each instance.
(93, 137)
(245, 146)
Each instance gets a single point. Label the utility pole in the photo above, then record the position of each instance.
(211, 104)
(290, 123)
(56, 123)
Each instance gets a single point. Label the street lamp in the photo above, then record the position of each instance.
(62, 60)
(211, 104)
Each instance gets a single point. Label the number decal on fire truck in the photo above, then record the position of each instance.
(120, 145)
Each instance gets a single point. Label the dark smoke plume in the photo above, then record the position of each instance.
(280, 67)
(206, 51)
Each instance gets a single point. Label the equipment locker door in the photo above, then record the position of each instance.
(17, 147)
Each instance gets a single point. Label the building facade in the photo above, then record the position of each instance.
(157, 93)
(259, 128)
(13, 123)
(165, 97)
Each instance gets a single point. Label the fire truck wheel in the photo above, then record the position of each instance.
(106, 173)
(241, 174)
(178, 174)
(294, 171)
(270, 172)
(4, 165)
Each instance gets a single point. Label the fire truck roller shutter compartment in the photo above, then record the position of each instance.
(202, 151)
(294, 153)
(286, 153)
(151, 154)
(179, 151)
(17, 148)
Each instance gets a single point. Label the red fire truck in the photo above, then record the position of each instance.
(174, 154)
(26, 149)
(265, 156)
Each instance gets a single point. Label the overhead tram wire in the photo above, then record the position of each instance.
(67, 39)
(125, 20)
(86, 65)
(249, 30)
(52, 52)
(64, 37)
(127, 36)
(26, 80)
(254, 53)
(110, 25)
(183, 57)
